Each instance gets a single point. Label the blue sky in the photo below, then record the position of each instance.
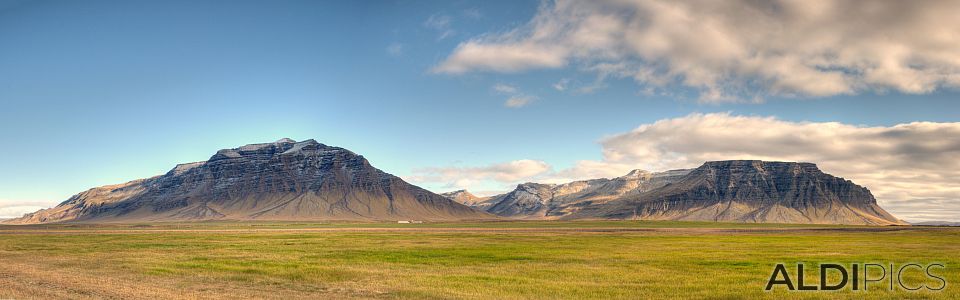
(101, 92)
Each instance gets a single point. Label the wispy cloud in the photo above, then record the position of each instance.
(516, 98)
(473, 13)
(735, 51)
(504, 88)
(395, 49)
(440, 23)
(518, 101)
(561, 85)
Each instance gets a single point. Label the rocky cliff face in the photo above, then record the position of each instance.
(284, 180)
(535, 200)
(751, 191)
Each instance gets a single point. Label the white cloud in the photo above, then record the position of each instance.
(466, 177)
(912, 169)
(561, 85)
(518, 101)
(730, 51)
(580, 88)
(516, 98)
(504, 88)
(441, 24)
(501, 58)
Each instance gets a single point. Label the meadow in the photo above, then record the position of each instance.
(493, 260)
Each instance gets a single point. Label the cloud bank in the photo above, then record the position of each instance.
(464, 177)
(11, 209)
(735, 50)
(911, 168)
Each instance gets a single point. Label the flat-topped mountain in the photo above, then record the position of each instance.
(751, 191)
(283, 180)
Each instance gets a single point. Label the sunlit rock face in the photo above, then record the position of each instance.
(751, 191)
(283, 180)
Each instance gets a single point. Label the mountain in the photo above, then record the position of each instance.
(750, 191)
(463, 197)
(936, 223)
(283, 180)
(536, 200)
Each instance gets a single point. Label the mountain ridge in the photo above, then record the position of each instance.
(751, 191)
(289, 180)
(731, 190)
(283, 180)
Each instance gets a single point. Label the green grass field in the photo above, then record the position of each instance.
(498, 260)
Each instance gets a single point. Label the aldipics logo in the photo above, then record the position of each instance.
(866, 276)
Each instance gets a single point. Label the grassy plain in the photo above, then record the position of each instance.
(495, 260)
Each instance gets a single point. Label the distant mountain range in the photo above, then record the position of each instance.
(937, 223)
(539, 201)
(289, 180)
(283, 180)
(731, 191)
